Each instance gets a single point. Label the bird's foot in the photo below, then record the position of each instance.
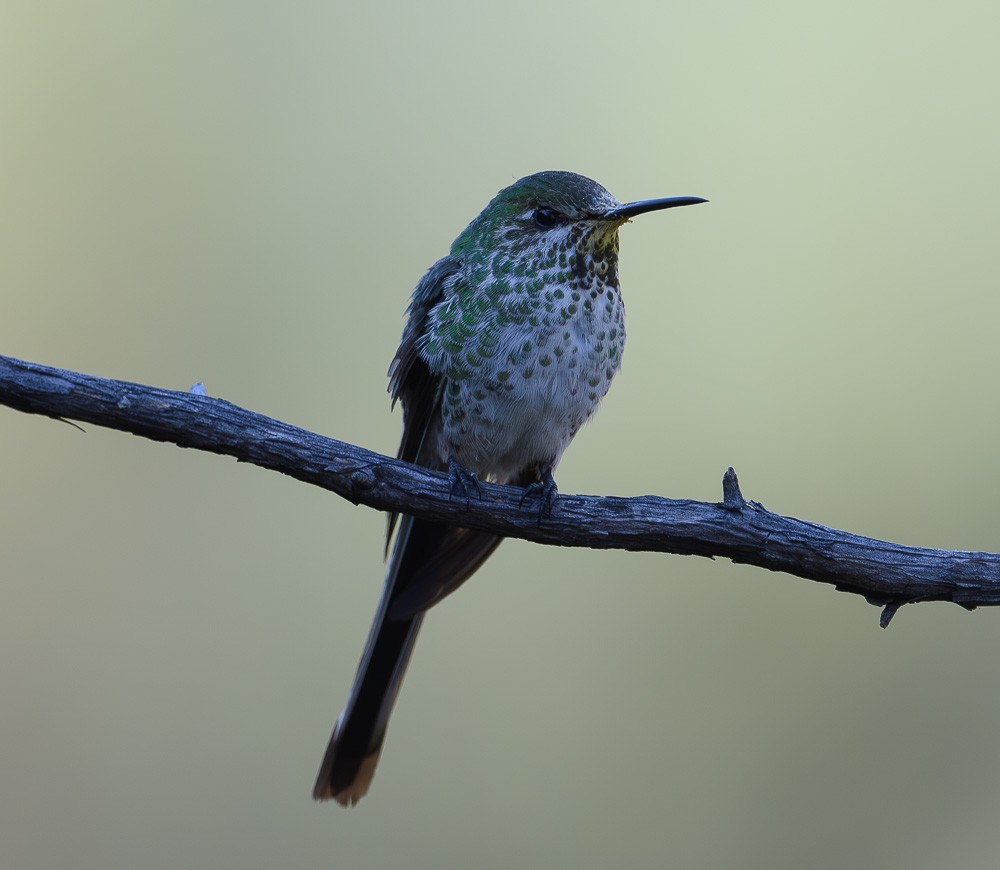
(545, 490)
(463, 481)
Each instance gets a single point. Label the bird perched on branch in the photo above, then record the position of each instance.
(511, 342)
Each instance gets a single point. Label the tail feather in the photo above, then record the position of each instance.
(428, 562)
(351, 756)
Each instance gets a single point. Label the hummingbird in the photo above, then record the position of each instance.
(510, 343)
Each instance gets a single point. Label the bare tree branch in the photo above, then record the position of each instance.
(886, 574)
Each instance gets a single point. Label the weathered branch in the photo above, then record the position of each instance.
(885, 574)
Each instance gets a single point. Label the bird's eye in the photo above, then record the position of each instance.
(546, 218)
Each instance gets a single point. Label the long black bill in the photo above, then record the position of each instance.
(631, 209)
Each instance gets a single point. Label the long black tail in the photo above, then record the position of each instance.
(428, 561)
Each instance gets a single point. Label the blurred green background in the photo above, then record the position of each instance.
(244, 193)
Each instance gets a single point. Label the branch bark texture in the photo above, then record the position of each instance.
(886, 574)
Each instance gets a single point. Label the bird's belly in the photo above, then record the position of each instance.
(525, 413)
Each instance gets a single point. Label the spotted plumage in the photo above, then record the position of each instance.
(511, 342)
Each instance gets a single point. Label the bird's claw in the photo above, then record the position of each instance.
(545, 490)
(462, 481)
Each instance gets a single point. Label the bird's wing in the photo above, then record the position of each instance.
(430, 560)
(412, 382)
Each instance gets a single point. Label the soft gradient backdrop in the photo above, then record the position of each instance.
(244, 193)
